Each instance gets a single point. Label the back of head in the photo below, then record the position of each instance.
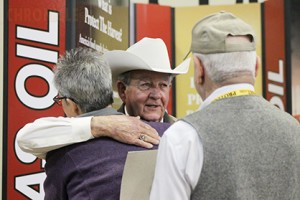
(225, 45)
(82, 74)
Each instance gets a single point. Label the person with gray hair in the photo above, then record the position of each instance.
(142, 75)
(83, 79)
(92, 169)
(237, 145)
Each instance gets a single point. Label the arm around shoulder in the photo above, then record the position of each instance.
(50, 133)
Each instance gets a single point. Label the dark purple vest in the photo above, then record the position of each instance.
(89, 170)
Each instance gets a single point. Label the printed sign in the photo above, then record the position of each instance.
(103, 25)
(155, 21)
(187, 98)
(275, 60)
(36, 38)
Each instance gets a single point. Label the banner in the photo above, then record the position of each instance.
(187, 98)
(276, 66)
(36, 38)
(155, 21)
(103, 25)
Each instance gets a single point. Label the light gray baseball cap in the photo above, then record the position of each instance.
(210, 33)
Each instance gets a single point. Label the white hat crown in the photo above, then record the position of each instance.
(147, 54)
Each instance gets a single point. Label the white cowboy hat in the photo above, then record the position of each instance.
(147, 54)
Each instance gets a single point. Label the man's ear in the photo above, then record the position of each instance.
(198, 71)
(257, 65)
(75, 108)
(121, 90)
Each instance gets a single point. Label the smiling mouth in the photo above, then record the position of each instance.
(152, 106)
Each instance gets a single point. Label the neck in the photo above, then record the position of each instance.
(211, 86)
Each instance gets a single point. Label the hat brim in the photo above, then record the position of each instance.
(123, 61)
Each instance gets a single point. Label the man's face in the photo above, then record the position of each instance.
(147, 95)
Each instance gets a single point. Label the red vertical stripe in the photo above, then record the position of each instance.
(275, 49)
(155, 21)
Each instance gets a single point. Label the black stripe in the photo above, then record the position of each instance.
(153, 1)
(288, 55)
(239, 1)
(173, 52)
(134, 21)
(253, 1)
(203, 2)
(5, 100)
(263, 49)
(70, 25)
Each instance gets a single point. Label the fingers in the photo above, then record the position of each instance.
(148, 139)
(125, 129)
(152, 134)
(144, 144)
(147, 136)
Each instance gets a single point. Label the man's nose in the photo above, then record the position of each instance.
(155, 92)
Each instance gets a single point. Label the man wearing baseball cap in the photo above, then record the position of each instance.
(237, 145)
(142, 75)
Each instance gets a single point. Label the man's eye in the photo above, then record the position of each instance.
(145, 86)
(164, 85)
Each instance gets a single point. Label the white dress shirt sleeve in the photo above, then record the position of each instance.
(50, 133)
(179, 163)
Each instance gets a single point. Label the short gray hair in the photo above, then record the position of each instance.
(223, 66)
(83, 75)
(126, 77)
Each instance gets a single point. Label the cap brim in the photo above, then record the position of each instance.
(187, 54)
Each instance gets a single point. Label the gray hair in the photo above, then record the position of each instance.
(126, 77)
(223, 66)
(83, 75)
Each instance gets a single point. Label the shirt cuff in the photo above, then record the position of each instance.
(82, 128)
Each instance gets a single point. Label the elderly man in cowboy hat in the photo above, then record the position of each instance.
(142, 75)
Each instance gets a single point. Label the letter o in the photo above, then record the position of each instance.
(23, 156)
(27, 99)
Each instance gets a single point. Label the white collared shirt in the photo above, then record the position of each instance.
(180, 156)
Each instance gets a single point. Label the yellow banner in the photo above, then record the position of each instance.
(187, 98)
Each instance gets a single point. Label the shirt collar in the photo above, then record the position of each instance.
(225, 89)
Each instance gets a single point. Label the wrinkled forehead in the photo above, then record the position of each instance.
(149, 75)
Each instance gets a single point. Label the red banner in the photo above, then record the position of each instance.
(36, 38)
(155, 21)
(275, 60)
